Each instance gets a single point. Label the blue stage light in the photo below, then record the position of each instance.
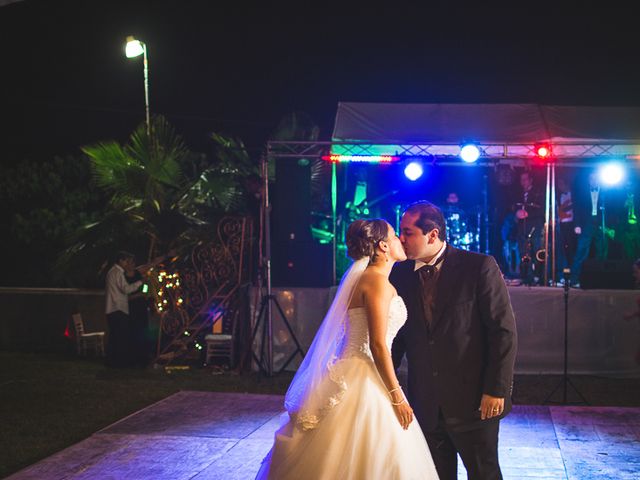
(611, 174)
(413, 171)
(469, 153)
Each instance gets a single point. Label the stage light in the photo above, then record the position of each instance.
(542, 150)
(413, 171)
(611, 174)
(360, 158)
(469, 153)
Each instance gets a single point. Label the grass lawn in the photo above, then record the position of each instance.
(49, 402)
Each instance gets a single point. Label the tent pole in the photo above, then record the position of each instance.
(553, 224)
(334, 216)
(546, 226)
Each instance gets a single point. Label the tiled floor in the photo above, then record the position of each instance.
(203, 435)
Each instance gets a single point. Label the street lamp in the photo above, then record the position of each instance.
(135, 48)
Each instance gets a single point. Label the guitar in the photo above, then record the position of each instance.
(631, 212)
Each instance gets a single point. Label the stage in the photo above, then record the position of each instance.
(204, 435)
(601, 341)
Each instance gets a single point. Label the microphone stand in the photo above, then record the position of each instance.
(526, 262)
(565, 381)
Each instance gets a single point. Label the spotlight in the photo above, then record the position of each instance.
(611, 174)
(413, 171)
(469, 153)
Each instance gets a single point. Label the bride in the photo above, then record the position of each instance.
(348, 417)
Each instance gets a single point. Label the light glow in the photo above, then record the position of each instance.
(134, 48)
(413, 171)
(611, 174)
(543, 150)
(469, 153)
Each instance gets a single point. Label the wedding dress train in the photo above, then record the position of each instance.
(360, 437)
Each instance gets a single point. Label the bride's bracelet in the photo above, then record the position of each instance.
(395, 404)
(395, 389)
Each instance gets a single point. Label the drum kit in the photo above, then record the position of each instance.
(463, 226)
(463, 229)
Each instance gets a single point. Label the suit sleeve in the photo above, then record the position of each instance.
(500, 327)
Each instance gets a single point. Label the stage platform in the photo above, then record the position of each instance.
(601, 341)
(204, 435)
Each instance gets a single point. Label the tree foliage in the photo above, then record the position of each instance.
(41, 202)
(161, 196)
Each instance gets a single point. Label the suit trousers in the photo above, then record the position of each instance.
(591, 233)
(478, 449)
(119, 340)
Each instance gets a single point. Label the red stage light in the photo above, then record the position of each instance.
(542, 150)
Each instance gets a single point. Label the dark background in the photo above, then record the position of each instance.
(232, 67)
(239, 69)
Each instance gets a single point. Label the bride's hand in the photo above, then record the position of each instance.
(404, 412)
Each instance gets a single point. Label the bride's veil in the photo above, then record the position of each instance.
(317, 387)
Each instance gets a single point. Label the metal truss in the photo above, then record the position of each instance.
(567, 153)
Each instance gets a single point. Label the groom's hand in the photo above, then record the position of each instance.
(491, 406)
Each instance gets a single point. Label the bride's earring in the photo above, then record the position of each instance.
(386, 257)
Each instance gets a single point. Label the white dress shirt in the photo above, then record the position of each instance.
(117, 290)
(419, 263)
(595, 192)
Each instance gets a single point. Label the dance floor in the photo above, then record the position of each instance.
(204, 435)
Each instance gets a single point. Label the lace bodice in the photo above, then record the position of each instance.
(357, 329)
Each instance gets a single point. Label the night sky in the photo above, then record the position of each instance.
(228, 67)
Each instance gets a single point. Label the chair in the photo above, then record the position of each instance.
(222, 344)
(87, 341)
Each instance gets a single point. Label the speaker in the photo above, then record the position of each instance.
(607, 274)
(301, 264)
(291, 201)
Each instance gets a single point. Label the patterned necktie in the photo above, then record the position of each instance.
(428, 278)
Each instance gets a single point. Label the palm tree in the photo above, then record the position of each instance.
(161, 195)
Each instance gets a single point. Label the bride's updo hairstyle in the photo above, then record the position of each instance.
(363, 236)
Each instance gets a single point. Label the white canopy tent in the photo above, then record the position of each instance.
(509, 133)
(501, 130)
(578, 136)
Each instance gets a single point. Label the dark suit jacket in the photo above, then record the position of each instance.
(583, 207)
(470, 348)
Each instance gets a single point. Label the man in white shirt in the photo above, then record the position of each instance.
(117, 291)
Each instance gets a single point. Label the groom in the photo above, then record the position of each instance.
(460, 342)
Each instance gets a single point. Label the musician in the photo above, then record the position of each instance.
(529, 213)
(456, 221)
(629, 229)
(589, 209)
(510, 249)
(568, 239)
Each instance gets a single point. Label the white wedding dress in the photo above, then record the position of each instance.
(360, 438)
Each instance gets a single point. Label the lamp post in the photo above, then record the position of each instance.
(135, 48)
